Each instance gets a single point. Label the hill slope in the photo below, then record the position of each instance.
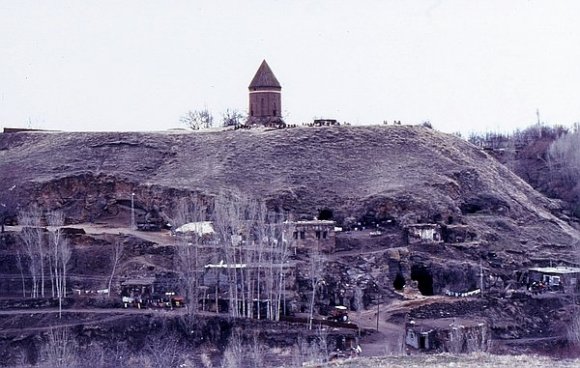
(409, 174)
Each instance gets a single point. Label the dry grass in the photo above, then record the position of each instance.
(477, 360)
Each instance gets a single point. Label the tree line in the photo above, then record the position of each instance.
(244, 261)
(546, 156)
(45, 253)
(204, 119)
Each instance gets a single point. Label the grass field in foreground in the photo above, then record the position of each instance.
(477, 360)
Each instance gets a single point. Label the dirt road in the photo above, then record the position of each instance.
(389, 338)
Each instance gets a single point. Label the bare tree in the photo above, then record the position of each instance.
(316, 268)
(232, 118)
(32, 239)
(565, 151)
(164, 350)
(257, 352)
(21, 269)
(228, 220)
(55, 220)
(323, 343)
(60, 253)
(29, 239)
(233, 354)
(116, 255)
(285, 243)
(573, 330)
(198, 119)
(59, 351)
(260, 245)
(192, 250)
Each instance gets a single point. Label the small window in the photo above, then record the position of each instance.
(317, 234)
(295, 235)
(302, 235)
(324, 234)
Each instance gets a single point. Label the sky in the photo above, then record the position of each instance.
(140, 65)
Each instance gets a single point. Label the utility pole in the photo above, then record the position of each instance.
(481, 278)
(378, 312)
(378, 304)
(132, 210)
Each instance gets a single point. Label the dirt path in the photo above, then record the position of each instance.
(162, 237)
(355, 253)
(81, 311)
(98, 315)
(97, 320)
(389, 337)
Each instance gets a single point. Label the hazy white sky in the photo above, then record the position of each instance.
(140, 65)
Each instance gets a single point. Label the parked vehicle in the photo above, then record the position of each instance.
(338, 313)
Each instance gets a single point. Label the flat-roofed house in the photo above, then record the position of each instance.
(562, 278)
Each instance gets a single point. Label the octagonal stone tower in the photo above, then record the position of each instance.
(265, 98)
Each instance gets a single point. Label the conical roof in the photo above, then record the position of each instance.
(264, 77)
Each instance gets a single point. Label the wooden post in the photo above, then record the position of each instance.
(378, 312)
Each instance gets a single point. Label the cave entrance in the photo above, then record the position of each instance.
(399, 282)
(424, 279)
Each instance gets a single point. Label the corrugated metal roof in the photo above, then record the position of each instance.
(141, 281)
(226, 265)
(312, 222)
(557, 269)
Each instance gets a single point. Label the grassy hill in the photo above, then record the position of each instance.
(407, 173)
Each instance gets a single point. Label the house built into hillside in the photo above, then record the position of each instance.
(424, 234)
(448, 335)
(458, 233)
(137, 290)
(560, 278)
(314, 235)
